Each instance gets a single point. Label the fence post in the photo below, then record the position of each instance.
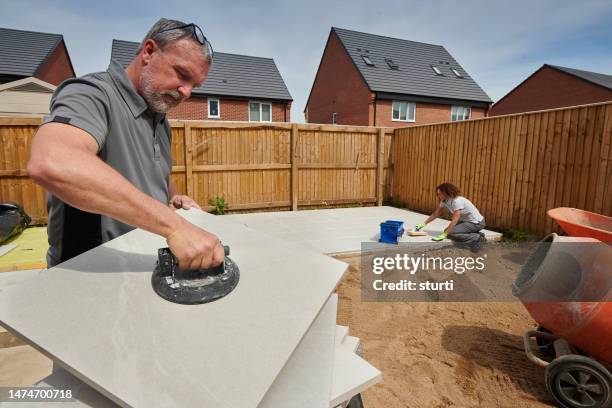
(188, 160)
(380, 167)
(294, 167)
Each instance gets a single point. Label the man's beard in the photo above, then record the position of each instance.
(158, 101)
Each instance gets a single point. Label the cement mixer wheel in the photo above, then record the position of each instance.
(576, 381)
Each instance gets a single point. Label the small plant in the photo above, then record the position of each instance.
(219, 204)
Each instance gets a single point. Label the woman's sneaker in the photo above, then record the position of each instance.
(478, 245)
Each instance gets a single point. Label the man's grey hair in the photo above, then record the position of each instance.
(166, 31)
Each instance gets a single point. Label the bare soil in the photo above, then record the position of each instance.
(442, 354)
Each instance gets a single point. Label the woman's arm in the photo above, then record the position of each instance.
(434, 215)
(454, 221)
(429, 219)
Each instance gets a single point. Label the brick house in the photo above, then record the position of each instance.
(238, 88)
(26, 54)
(367, 79)
(552, 87)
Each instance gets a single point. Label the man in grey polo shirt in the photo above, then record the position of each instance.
(104, 152)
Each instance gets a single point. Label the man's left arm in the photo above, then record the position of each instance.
(179, 201)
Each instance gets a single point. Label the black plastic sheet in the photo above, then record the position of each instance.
(13, 220)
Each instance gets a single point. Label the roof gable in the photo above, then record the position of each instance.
(229, 75)
(414, 74)
(589, 76)
(29, 84)
(22, 53)
(602, 79)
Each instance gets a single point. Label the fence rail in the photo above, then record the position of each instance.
(515, 167)
(251, 166)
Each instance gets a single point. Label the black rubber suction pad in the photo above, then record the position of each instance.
(192, 287)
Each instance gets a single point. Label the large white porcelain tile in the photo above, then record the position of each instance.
(352, 375)
(350, 343)
(342, 230)
(82, 395)
(98, 317)
(306, 380)
(11, 278)
(5, 249)
(341, 333)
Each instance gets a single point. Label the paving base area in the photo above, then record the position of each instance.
(442, 354)
(27, 250)
(341, 230)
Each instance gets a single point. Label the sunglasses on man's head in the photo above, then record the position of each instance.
(196, 32)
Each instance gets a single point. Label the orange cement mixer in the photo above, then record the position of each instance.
(566, 285)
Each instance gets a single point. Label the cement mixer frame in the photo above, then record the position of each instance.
(572, 379)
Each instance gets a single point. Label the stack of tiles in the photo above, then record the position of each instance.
(271, 342)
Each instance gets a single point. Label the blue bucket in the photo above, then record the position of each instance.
(390, 231)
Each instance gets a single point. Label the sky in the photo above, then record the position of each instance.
(499, 43)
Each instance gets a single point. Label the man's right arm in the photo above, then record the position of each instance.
(64, 161)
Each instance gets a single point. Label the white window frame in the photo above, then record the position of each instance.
(260, 115)
(408, 103)
(218, 116)
(436, 70)
(465, 109)
(367, 60)
(456, 72)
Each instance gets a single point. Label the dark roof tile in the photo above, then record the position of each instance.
(23, 52)
(414, 75)
(594, 77)
(244, 76)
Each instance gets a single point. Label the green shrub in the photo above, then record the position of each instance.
(219, 204)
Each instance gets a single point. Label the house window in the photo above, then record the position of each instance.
(436, 70)
(214, 108)
(403, 111)
(460, 113)
(367, 60)
(260, 112)
(457, 73)
(334, 118)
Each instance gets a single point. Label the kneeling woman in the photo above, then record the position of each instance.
(467, 221)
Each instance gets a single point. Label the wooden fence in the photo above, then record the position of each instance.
(251, 166)
(16, 136)
(515, 167)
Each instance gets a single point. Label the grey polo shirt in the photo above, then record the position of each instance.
(131, 138)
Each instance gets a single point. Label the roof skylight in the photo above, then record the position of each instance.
(367, 60)
(391, 64)
(457, 73)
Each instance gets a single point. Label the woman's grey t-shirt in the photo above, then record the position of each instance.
(131, 138)
(469, 212)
